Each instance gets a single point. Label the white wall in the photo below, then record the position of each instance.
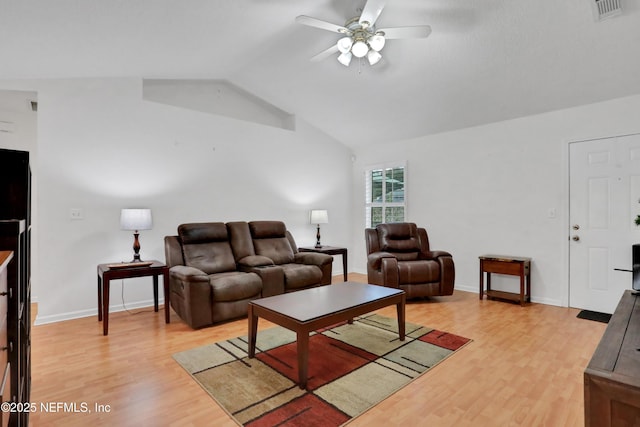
(102, 148)
(489, 189)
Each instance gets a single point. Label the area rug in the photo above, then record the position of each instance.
(594, 315)
(352, 367)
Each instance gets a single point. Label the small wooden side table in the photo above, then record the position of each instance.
(113, 271)
(330, 250)
(514, 266)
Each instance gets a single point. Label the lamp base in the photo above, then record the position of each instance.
(318, 245)
(136, 247)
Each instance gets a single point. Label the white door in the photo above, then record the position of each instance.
(604, 199)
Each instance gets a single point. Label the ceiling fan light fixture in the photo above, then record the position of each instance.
(376, 42)
(345, 58)
(359, 49)
(373, 57)
(344, 44)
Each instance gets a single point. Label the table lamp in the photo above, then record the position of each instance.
(319, 216)
(136, 220)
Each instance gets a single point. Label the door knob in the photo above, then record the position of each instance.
(576, 238)
(576, 227)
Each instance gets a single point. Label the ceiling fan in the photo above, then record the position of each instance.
(361, 37)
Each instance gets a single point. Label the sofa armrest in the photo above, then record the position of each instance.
(188, 274)
(191, 295)
(272, 277)
(375, 259)
(312, 258)
(251, 261)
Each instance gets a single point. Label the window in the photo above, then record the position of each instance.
(385, 199)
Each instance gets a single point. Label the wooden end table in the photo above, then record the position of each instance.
(510, 265)
(330, 250)
(311, 309)
(114, 271)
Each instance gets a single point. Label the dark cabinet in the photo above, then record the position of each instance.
(5, 371)
(15, 236)
(612, 378)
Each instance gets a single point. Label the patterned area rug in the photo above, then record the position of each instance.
(352, 367)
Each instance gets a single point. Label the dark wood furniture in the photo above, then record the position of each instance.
(5, 366)
(114, 271)
(612, 378)
(311, 309)
(635, 269)
(510, 265)
(15, 236)
(330, 250)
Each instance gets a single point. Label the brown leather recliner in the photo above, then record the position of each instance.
(206, 286)
(398, 256)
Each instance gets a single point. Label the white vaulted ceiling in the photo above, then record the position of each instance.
(485, 61)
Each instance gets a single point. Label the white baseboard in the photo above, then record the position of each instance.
(43, 320)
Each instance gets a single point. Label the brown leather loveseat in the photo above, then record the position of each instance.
(398, 256)
(217, 268)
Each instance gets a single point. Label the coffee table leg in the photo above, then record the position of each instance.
(303, 358)
(401, 323)
(253, 331)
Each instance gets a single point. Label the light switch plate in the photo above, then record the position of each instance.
(76, 213)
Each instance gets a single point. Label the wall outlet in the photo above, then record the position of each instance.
(76, 213)
(551, 213)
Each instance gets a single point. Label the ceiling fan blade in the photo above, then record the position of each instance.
(371, 11)
(417, 32)
(324, 25)
(325, 53)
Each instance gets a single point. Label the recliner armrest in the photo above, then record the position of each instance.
(188, 274)
(375, 259)
(434, 254)
(312, 258)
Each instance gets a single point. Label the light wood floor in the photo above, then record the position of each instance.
(524, 368)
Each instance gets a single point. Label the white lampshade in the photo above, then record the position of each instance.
(373, 57)
(376, 42)
(319, 216)
(136, 219)
(344, 44)
(345, 58)
(359, 49)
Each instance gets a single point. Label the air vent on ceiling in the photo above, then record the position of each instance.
(604, 9)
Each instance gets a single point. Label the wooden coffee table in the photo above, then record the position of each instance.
(311, 309)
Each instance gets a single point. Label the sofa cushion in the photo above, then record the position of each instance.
(234, 286)
(267, 229)
(301, 275)
(202, 232)
(206, 247)
(270, 240)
